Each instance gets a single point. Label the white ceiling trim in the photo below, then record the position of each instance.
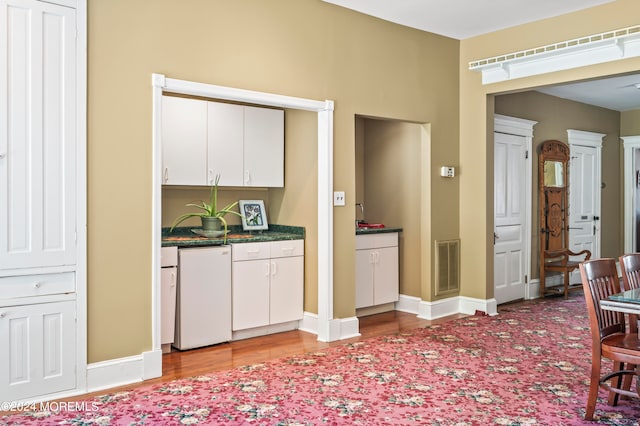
(590, 50)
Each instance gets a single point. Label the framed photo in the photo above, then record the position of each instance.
(254, 216)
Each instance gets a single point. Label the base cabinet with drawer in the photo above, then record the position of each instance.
(377, 271)
(267, 283)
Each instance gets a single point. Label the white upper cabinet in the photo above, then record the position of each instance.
(38, 136)
(226, 143)
(184, 141)
(203, 139)
(263, 147)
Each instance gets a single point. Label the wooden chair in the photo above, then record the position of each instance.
(630, 268)
(608, 334)
(560, 261)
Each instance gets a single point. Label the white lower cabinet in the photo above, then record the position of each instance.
(377, 270)
(267, 283)
(169, 281)
(37, 346)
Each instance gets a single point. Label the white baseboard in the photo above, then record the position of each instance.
(123, 371)
(339, 329)
(409, 304)
(455, 305)
(469, 305)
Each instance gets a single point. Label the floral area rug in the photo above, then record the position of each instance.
(527, 366)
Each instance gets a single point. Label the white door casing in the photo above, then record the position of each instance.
(329, 329)
(585, 173)
(631, 183)
(512, 207)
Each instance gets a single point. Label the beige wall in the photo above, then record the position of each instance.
(303, 48)
(555, 116)
(630, 123)
(392, 161)
(476, 108)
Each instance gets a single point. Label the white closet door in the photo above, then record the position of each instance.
(37, 141)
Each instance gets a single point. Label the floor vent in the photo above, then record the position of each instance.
(447, 267)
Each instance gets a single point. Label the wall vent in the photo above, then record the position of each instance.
(447, 267)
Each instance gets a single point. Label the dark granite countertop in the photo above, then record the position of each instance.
(385, 230)
(184, 237)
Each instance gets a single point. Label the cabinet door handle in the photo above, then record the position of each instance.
(210, 177)
(287, 250)
(267, 269)
(173, 279)
(372, 257)
(36, 285)
(247, 177)
(166, 175)
(274, 269)
(377, 257)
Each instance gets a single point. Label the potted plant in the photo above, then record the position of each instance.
(211, 217)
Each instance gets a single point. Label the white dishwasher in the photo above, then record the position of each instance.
(203, 311)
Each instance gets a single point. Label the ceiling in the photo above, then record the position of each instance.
(462, 19)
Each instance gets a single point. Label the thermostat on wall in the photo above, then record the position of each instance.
(447, 171)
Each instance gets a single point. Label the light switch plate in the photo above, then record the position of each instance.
(338, 198)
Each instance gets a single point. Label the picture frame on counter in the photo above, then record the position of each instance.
(254, 215)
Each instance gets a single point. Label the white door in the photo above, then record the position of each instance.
(584, 199)
(510, 181)
(37, 135)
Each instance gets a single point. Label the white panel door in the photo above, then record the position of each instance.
(37, 137)
(509, 216)
(286, 289)
(37, 348)
(263, 147)
(584, 200)
(184, 141)
(225, 143)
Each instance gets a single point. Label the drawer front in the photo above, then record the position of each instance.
(169, 256)
(287, 248)
(249, 251)
(376, 240)
(36, 285)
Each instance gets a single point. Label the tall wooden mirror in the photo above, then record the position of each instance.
(553, 205)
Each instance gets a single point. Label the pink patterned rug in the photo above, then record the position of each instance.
(527, 366)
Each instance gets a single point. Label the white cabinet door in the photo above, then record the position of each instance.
(168, 308)
(377, 269)
(37, 349)
(250, 293)
(364, 278)
(385, 282)
(287, 289)
(184, 141)
(38, 135)
(225, 143)
(263, 147)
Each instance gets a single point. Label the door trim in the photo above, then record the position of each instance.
(593, 140)
(521, 127)
(630, 144)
